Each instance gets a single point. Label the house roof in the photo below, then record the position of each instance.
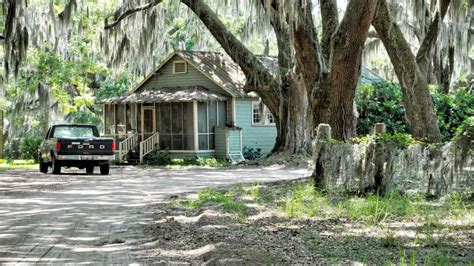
(223, 71)
(169, 94)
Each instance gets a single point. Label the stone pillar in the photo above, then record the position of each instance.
(323, 132)
(320, 146)
(379, 128)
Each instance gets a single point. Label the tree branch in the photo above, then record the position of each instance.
(424, 52)
(307, 50)
(129, 12)
(330, 21)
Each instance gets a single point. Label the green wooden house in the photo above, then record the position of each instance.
(193, 104)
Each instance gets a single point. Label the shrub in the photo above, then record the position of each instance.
(380, 102)
(12, 149)
(29, 147)
(158, 157)
(383, 102)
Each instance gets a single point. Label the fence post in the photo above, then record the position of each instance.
(323, 132)
(379, 128)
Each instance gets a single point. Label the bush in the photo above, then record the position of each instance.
(380, 102)
(383, 102)
(452, 111)
(29, 147)
(158, 157)
(12, 149)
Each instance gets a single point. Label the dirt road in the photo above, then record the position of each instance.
(73, 217)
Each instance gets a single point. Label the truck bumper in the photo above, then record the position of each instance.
(85, 157)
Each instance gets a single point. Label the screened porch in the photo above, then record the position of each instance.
(183, 125)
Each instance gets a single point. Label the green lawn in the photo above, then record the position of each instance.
(17, 165)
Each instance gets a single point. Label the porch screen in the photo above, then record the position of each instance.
(175, 124)
(210, 114)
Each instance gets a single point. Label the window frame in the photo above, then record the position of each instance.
(264, 115)
(180, 62)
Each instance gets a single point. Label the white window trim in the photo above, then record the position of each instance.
(264, 116)
(180, 62)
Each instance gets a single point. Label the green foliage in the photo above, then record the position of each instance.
(85, 117)
(157, 157)
(383, 102)
(115, 87)
(29, 145)
(304, 201)
(224, 201)
(466, 127)
(10, 164)
(400, 139)
(453, 111)
(380, 102)
(376, 209)
(12, 149)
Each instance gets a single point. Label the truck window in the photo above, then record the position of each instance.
(74, 132)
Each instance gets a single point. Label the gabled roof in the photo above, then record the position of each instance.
(216, 66)
(168, 94)
(223, 71)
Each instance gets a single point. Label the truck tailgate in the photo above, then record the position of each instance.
(91, 146)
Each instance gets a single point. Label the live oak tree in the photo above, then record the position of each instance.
(317, 77)
(412, 70)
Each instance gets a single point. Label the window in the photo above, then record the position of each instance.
(210, 115)
(175, 124)
(261, 115)
(180, 67)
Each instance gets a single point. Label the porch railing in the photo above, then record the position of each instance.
(126, 145)
(149, 145)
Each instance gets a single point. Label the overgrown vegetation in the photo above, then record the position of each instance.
(397, 228)
(163, 158)
(382, 102)
(9, 164)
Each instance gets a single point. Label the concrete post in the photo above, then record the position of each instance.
(379, 128)
(323, 131)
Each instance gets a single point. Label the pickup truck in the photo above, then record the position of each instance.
(75, 146)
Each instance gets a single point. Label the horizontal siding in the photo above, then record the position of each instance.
(253, 136)
(234, 141)
(220, 142)
(164, 77)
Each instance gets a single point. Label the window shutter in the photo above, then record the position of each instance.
(179, 67)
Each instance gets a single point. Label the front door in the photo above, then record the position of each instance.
(148, 122)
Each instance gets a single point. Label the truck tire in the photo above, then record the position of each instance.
(104, 169)
(43, 167)
(90, 169)
(55, 165)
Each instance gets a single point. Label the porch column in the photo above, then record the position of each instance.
(195, 121)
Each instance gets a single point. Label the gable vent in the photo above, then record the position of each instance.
(180, 67)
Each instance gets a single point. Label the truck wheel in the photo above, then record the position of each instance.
(43, 167)
(90, 169)
(55, 165)
(104, 169)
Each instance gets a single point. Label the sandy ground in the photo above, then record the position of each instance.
(79, 218)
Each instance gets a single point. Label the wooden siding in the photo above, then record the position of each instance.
(220, 141)
(253, 136)
(164, 77)
(234, 141)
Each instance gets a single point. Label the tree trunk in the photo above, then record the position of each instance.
(346, 61)
(417, 100)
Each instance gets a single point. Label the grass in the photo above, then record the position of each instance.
(200, 161)
(405, 227)
(17, 165)
(223, 201)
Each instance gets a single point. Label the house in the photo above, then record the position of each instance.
(193, 104)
